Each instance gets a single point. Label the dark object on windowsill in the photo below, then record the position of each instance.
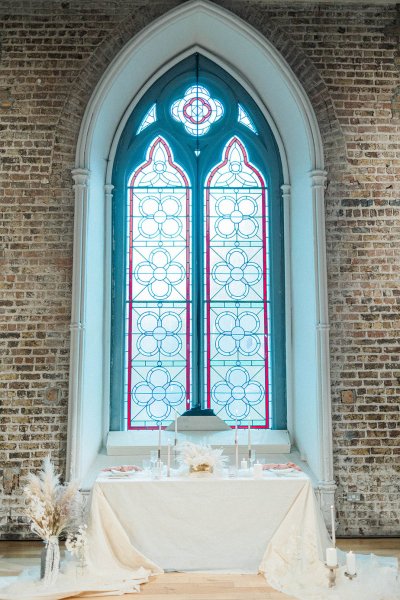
(196, 411)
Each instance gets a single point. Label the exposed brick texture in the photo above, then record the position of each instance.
(52, 55)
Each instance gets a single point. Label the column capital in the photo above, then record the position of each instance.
(318, 178)
(108, 188)
(286, 190)
(80, 177)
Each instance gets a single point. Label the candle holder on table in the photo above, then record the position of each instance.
(350, 575)
(331, 574)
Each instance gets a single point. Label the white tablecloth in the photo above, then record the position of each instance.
(140, 527)
(207, 524)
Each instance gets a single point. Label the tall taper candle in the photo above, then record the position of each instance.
(333, 526)
(169, 458)
(176, 429)
(159, 441)
(249, 441)
(236, 446)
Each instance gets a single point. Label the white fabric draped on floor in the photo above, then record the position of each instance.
(140, 527)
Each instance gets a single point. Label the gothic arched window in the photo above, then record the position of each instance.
(198, 269)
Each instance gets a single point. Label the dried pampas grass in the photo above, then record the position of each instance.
(51, 507)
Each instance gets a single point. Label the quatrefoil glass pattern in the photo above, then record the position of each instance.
(197, 110)
(237, 393)
(238, 333)
(157, 393)
(159, 274)
(159, 334)
(160, 216)
(236, 217)
(236, 274)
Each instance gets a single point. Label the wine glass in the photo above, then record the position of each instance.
(153, 457)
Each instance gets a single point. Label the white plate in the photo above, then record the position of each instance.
(115, 473)
(282, 472)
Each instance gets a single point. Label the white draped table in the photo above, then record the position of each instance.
(140, 527)
(205, 524)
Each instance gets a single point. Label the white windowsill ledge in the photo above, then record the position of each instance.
(133, 443)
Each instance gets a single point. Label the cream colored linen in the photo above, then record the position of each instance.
(294, 561)
(192, 524)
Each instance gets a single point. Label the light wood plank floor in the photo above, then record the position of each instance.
(195, 586)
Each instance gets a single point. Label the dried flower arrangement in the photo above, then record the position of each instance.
(51, 507)
(200, 458)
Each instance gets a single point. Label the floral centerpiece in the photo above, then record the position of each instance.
(200, 458)
(52, 509)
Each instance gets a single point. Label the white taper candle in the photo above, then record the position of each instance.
(159, 441)
(351, 563)
(236, 446)
(169, 458)
(331, 557)
(333, 526)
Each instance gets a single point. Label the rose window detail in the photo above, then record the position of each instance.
(197, 110)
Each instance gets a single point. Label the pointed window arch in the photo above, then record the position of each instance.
(198, 317)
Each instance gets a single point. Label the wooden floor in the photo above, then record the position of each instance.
(194, 586)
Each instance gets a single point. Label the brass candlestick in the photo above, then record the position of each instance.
(350, 575)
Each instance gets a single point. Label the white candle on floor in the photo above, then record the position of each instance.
(249, 441)
(243, 464)
(176, 429)
(333, 526)
(351, 563)
(331, 557)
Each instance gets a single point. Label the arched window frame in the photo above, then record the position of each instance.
(202, 26)
(260, 143)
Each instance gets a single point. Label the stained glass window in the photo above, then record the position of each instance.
(236, 283)
(198, 310)
(158, 289)
(244, 119)
(149, 118)
(197, 110)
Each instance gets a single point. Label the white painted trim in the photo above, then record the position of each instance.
(286, 200)
(258, 66)
(77, 327)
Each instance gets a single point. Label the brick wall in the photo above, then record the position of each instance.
(347, 59)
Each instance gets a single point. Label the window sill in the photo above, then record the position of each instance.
(132, 443)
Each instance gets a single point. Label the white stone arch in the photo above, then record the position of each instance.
(199, 25)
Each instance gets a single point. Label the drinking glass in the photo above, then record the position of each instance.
(153, 457)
